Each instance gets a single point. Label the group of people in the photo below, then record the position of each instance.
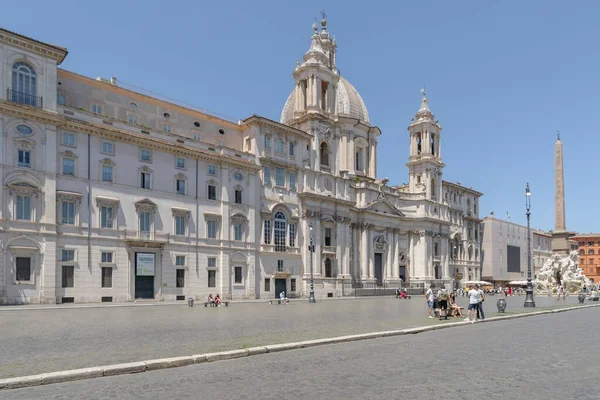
(214, 301)
(445, 301)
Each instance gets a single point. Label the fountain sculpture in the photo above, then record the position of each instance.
(563, 271)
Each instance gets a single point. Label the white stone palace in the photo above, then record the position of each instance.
(109, 194)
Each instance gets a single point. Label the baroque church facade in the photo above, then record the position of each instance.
(110, 194)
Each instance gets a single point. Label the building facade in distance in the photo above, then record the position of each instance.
(589, 254)
(109, 194)
(505, 251)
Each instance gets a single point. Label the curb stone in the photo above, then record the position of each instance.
(156, 364)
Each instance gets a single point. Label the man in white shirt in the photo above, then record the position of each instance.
(429, 298)
(474, 300)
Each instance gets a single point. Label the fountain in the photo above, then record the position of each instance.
(562, 270)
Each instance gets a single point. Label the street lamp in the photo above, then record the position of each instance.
(529, 302)
(311, 250)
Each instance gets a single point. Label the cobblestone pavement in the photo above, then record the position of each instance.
(37, 341)
(530, 358)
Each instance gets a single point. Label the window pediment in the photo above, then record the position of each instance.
(145, 169)
(180, 176)
(107, 201)
(212, 216)
(68, 196)
(145, 205)
(181, 212)
(24, 143)
(107, 161)
(22, 188)
(239, 219)
(68, 154)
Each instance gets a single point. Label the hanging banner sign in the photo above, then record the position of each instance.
(144, 264)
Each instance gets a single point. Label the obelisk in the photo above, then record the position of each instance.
(560, 224)
(560, 236)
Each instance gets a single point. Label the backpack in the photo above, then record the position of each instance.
(443, 294)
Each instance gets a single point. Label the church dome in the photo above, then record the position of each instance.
(348, 104)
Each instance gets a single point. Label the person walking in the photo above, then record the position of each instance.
(429, 298)
(474, 297)
(442, 296)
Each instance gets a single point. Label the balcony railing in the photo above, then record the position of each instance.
(24, 98)
(328, 249)
(143, 236)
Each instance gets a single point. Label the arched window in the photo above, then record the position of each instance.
(324, 153)
(591, 251)
(24, 84)
(280, 227)
(433, 145)
(419, 143)
(291, 149)
(278, 145)
(432, 187)
(470, 251)
(581, 252)
(328, 268)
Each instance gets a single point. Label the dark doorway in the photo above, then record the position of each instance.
(437, 271)
(402, 273)
(280, 287)
(379, 268)
(144, 276)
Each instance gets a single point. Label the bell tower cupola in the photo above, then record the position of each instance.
(425, 159)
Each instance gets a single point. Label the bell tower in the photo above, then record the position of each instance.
(425, 160)
(317, 77)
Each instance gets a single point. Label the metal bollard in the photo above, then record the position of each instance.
(191, 301)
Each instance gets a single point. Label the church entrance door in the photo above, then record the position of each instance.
(379, 268)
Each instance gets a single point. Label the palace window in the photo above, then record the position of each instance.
(167, 128)
(327, 236)
(106, 257)
(146, 155)
(590, 251)
(180, 278)
(267, 142)
(279, 177)
(133, 119)
(237, 231)
(68, 212)
(107, 277)
(108, 147)
(211, 227)
(212, 170)
(24, 88)
(180, 225)
(145, 221)
(180, 261)
(68, 276)
(267, 231)
(212, 192)
(97, 109)
(67, 255)
(280, 231)
(292, 285)
(106, 217)
(238, 278)
(68, 166)
(292, 181)
(23, 269)
(267, 176)
(180, 186)
(238, 196)
(24, 158)
(23, 208)
(180, 163)
(267, 285)
(292, 230)
(212, 278)
(291, 149)
(61, 100)
(68, 139)
(107, 173)
(145, 180)
(278, 146)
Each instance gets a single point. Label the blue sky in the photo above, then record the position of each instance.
(501, 77)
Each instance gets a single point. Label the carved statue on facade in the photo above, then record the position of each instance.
(381, 183)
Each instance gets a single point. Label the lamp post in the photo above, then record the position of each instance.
(311, 250)
(529, 302)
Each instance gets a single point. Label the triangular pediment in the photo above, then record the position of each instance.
(145, 203)
(383, 206)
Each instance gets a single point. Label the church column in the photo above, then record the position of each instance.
(389, 257)
(396, 261)
(347, 233)
(429, 256)
(309, 85)
(344, 153)
(318, 236)
(364, 252)
(339, 247)
(373, 160)
(355, 251)
(317, 92)
(371, 256)
(297, 97)
(349, 152)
